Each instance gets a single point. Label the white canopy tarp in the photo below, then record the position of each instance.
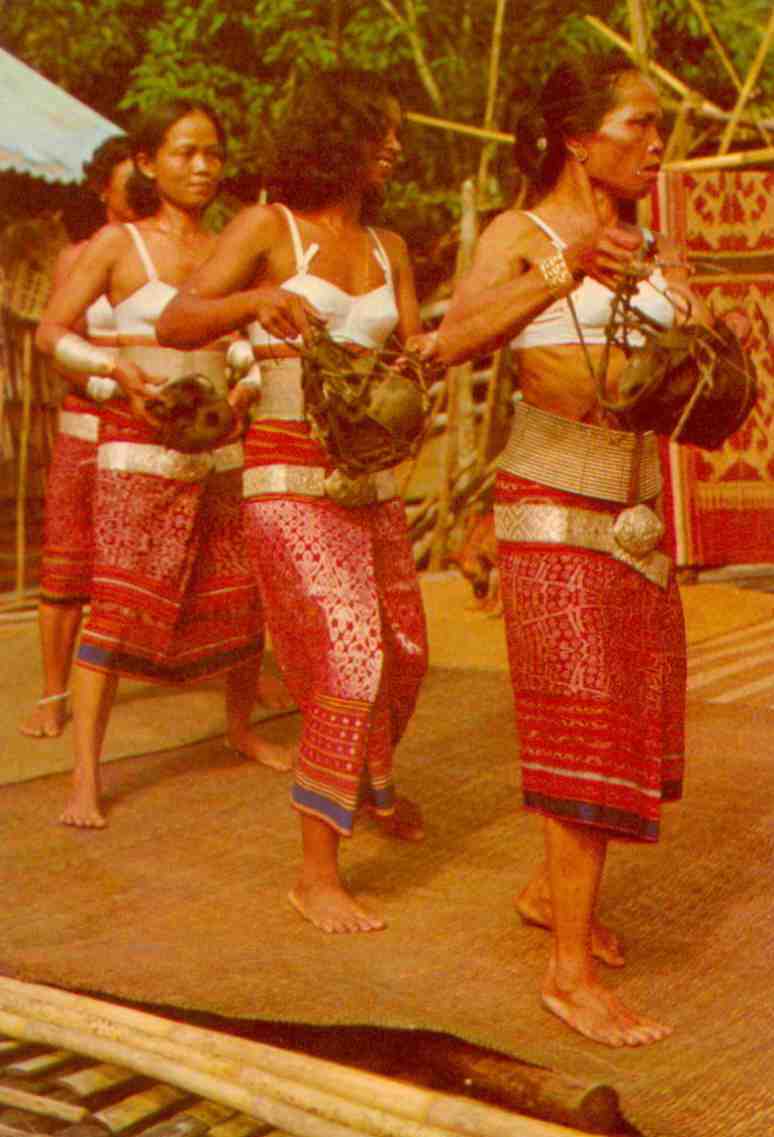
(44, 131)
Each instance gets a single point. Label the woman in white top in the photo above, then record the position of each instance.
(173, 599)
(338, 582)
(594, 628)
(65, 582)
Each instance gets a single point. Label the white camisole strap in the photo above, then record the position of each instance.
(142, 250)
(303, 259)
(552, 235)
(381, 257)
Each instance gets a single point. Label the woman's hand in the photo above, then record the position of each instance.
(609, 254)
(425, 345)
(240, 399)
(138, 388)
(283, 314)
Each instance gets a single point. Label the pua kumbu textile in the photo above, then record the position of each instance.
(597, 657)
(173, 598)
(343, 605)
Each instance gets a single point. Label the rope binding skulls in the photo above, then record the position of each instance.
(370, 409)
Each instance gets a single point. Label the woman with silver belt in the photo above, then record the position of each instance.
(337, 577)
(173, 600)
(593, 616)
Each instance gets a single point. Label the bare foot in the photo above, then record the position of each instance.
(82, 811)
(273, 693)
(331, 909)
(405, 823)
(275, 755)
(48, 718)
(597, 1013)
(534, 907)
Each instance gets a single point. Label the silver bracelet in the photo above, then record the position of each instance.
(557, 275)
(74, 353)
(100, 389)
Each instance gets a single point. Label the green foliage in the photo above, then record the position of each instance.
(247, 56)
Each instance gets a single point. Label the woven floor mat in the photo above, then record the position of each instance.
(182, 901)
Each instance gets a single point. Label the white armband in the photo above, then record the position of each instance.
(99, 389)
(239, 358)
(76, 354)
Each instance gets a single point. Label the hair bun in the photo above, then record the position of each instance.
(531, 140)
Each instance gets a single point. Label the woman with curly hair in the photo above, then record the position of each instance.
(338, 581)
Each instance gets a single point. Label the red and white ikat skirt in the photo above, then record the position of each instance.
(597, 659)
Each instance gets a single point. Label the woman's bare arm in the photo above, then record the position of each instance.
(498, 295)
(86, 279)
(409, 320)
(506, 288)
(233, 288)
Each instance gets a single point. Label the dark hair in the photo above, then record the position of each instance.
(99, 169)
(318, 148)
(575, 98)
(83, 211)
(147, 136)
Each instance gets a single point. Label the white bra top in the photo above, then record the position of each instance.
(99, 319)
(592, 302)
(137, 314)
(367, 320)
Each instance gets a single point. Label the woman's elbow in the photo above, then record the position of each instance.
(170, 329)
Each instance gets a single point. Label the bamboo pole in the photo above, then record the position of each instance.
(638, 22)
(724, 161)
(747, 86)
(491, 96)
(459, 127)
(704, 106)
(310, 1097)
(677, 145)
(725, 59)
(458, 389)
(42, 1106)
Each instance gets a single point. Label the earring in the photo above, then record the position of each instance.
(579, 153)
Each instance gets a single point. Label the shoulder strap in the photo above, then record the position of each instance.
(303, 259)
(381, 256)
(142, 250)
(552, 235)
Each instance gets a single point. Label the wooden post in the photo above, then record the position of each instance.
(747, 87)
(459, 397)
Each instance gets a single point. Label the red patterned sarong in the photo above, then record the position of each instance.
(173, 597)
(343, 606)
(67, 529)
(597, 656)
